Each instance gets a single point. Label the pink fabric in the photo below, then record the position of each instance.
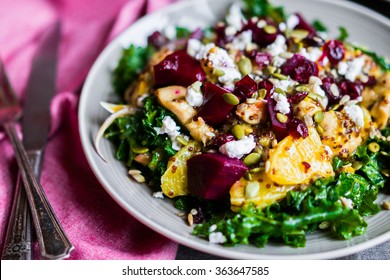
(97, 226)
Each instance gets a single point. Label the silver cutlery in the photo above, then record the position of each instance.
(52, 240)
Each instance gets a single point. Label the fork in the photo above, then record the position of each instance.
(52, 240)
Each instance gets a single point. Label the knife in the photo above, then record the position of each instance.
(35, 125)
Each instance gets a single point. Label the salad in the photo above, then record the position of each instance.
(258, 128)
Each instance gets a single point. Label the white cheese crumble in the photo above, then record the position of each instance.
(169, 127)
(282, 84)
(355, 113)
(193, 47)
(282, 104)
(312, 54)
(217, 237)
(158, 195)
(351, 69)
(235, 17)
(292, 21)
(278, 61)
(278, 46)
(170, 32)
(342, 68)
(238, 148)
(212, 228)
(193, 97)
(242, 41)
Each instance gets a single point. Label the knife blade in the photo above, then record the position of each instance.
(35, 125)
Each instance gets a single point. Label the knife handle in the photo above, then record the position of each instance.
(52, 240)
(18, 239)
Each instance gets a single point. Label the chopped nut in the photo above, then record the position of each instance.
(190, 219)
(136, 174)
(386, 205)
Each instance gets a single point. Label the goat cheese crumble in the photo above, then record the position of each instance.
(282, 104)
(355, 113)
(238, 148)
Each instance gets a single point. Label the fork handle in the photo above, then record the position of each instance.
(18, 239)
(52, 240)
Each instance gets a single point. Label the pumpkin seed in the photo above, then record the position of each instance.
(318, 116)
(299, 34)
(270, 29)
(218, 72)
(196, 86)
(262, 93)
(139, 150)
(252, 159)
(231, 99)
(269, 70)
(320, 130)
(279, 76)
(281, 117)
(245, 65)
(181, 140)
(303, 88)
(238, 131)
(374, 147)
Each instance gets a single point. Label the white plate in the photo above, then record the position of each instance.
(364, 26)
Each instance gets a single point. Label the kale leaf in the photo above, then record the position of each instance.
(131, 63)
(262, 8)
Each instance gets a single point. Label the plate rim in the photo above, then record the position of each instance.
(208, 248)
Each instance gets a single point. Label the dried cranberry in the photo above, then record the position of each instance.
(261, 58)
(297, 97)
(335, 51)
(221, 38)
(178, 68)
(268, 85)
(370, 82)
(157, 40)
(245, 87)
(297, 128)
(299, 68)
(221, 139)
(313, 40)
(198, 216)
(259, 35)
(353, 89)
(327, 83)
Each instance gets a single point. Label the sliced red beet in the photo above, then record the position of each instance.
(299, 68)
(245, 87)
(278, 127)
(210, 176)
(214, 109)
(178, 68)
(268, 86)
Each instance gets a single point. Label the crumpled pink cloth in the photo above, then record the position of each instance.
(96, 225)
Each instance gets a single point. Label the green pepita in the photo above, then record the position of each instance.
(238, 131)
(245, 65)
(299, 34)
(374, 147)
(279, 76)
(270, 29)
(231, 99)
(252, 159)
(281, 117)
(318, 116)
(262, 93)
(218, 72)
(196, 86)
(181, 140)
(304, 88)
(139, 150)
